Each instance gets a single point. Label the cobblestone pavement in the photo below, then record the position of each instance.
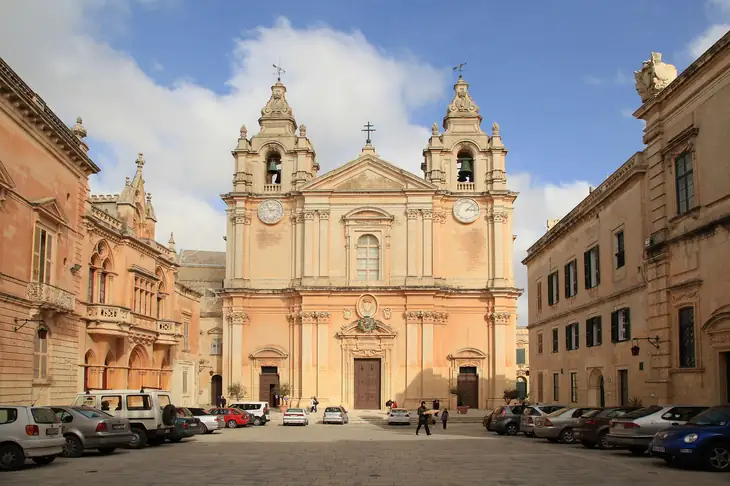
(367, 454)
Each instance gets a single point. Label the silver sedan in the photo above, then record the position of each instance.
(399, 416)
(335, 415)
(559, 425)
(90, 428)
(296, 416)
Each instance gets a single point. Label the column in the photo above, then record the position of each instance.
(308, 243)
(427, 354)
(427, 243)
(309, 322)
(412, 239)
(238, 320)
(412, 355)
(322, 357)
(498, 228)
(324, 240)
(238, 249)
(298, 245)
(230, 244)
(247, 247)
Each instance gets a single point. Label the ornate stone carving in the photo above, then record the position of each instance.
(138, 338)
(497, 218)
(107, 313)
(433, 316)
(439, 217)
(462, 102)
(367, 305)
(367, 324)
(411, 213)
(277, 104)
(46, 295)
(302, 130)
(435, 129)
(500, 317)
(237, 317)
(347, 314)
(654, 76)
(427, 214)
(244, 131)
(309, 215)
(495, 129)
(366, 353)
(311, 317)
(324, 215)
(387, 313)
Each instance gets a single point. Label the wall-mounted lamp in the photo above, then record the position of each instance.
(654, 341)
(42, 330)
(75, 268)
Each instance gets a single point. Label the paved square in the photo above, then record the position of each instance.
(367, 454)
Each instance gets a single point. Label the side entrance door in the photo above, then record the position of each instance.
(468, 385)
(367, 384)
(268, 385)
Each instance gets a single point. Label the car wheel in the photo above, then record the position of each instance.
(512, 429)
(11, 457)
(231, 424)
(587, 444)
(257, 421)
(717, 457)
(43, 460)
(105, 451)
(603, 441)
(73, 447)
(203, 428)
(567, 436)
(139, 438)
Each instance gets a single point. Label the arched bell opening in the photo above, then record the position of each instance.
(465, 164)
(273, 167)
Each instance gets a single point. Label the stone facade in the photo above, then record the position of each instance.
(368, 282)
(662, 300)
(522, 361)
(205, 271)
(89, 299)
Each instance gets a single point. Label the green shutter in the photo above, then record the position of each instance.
(614, 327)
(557, 286)
(589, 333)
(550, 290)
(628, 324)
(567, 337)
(567, 281)
(587, 269)
(599, 332)
(577, 335)
(598, 266)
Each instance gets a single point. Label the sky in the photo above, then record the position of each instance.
(175, 79)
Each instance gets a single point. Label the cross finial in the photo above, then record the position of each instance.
(459, 67)
(368, 128)
(140, 160)
(279, 72)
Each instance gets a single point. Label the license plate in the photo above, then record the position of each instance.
(51, 431)
(658, 449)
(119, 426)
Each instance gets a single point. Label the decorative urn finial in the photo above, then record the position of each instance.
(495, 129)
(244, 131)
(79, 129)
(435, 129)
(302, 130)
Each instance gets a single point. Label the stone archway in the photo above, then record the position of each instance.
(90, 372)
(216, 389)
(138, 365)
(268, 364)
(467, 373)
(596, 389)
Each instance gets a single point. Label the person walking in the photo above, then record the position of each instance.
(223, 401)
(423, 419)
(445, 417)
(314, 404)
(389, 405)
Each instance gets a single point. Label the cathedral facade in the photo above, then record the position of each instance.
(368, 282)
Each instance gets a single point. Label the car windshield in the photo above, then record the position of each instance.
(44, 416)
(198, 411)
(719, 416)
(559, 411)
(295, 410)
(399, 411)
(92, 413)
(332, 410)
(642, 412)
(184, 412)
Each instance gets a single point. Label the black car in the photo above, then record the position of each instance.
(594, 426)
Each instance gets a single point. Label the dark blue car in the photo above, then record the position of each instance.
(703, 441)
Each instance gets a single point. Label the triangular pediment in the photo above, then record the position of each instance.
(5, 180)
(216, 330)
(48, 207)
(368, 173)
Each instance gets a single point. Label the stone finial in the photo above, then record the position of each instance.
(462, 104)
(495, 129)
(244, 131)
(654, 76)
(302, 130)
(435, 129)
(79, 129)
(149, 197)
(127, 181)
(171, 242)
(140, 160)
(277, 109)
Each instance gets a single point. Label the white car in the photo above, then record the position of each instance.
(399, 416)
(335, 415)
(208, 422)
(29, 432)
(296, 416)
(259, 411)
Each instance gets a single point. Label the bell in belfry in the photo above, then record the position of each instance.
(466, 169)
(272, 168)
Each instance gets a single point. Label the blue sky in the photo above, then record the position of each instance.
(175, 79)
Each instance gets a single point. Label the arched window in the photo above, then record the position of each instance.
(160, 295)
(103, 281)
(368, 258)
(273, 168)
(465, 164)
(100, 273)
(40, 357)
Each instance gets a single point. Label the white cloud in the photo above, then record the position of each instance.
(705, 40)
(336, 82)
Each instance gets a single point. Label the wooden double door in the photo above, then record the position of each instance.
(269, 385)
(367, 384)
(468, 385)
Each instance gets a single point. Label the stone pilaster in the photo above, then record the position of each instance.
(412, 226)
(324, 220)
(310, 349)
(427, 243)
(309, 256)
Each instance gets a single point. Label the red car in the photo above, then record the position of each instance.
(232, 417)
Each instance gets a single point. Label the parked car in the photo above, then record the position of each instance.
(559, 425)
(635, 430)
(150, 412)
(506, 420)
(209, 422)
(296, 416)
(593, 427)
(186, 425)
(399, 416)
(703, 441)
(232, 417)
(259, 411)
(29, 432)
(88, 428)
(527, 422)
(335, 415)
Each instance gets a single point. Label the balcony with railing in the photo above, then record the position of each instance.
(268, 188)
(47, 296)
(168, 331)
(107, 319)
(466, 186)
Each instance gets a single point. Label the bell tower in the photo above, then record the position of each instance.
(279, 159)
(464, 159)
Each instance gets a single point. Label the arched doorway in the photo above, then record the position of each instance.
(596, 390)
(521, 387)
(88, 361)
(216, 388)
(165, 375)
(137, 368)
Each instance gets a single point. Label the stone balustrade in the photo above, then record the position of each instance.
(108, 313)
(466, 186)
(272, 188)
(47, 296)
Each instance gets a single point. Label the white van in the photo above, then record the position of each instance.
(259, 411)
(29, 432)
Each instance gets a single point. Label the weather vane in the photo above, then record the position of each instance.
(279, 72)
(368, 128)
(459, 67)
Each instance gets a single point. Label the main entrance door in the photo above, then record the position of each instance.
(269, 385)
(468, 386)
(367, 384)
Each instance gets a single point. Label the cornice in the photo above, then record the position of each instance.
(184, 289)
(586, 208)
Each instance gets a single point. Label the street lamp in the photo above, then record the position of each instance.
(654, 341)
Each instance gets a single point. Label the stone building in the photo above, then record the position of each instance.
(522, 361)
(659, 285)
(141, 323)
(368, 282)
(205, 271)
(44, 171)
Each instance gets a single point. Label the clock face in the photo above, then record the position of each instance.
(271, 211)
(466, 210)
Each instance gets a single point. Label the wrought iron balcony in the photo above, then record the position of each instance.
(47, 296)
